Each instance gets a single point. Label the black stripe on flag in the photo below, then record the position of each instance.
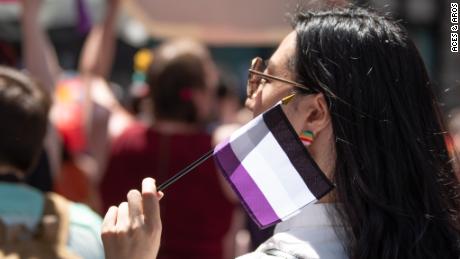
(287, 138)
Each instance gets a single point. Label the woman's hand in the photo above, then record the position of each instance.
(133, 229)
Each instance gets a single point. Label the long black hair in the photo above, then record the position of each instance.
(396, 191)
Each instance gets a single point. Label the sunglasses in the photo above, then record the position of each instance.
(257, 77)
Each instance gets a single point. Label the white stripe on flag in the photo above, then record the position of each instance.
(284, 189)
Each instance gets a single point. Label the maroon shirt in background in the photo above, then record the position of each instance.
(195, 213)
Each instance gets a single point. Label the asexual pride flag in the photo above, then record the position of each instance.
(270, 169)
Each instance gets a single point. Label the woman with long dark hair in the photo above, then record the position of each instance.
(396, 187)
(378, 136)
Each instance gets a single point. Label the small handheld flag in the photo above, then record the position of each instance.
(270, 169)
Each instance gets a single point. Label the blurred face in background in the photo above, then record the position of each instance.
(205, 99)
(183, 82)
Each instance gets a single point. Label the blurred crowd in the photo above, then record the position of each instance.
(96, 148)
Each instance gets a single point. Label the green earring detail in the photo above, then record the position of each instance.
(307, 137)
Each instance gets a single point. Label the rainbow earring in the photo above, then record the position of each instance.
(307, 137)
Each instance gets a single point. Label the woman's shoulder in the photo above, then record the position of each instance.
(140, 137)
(137, 128)
(134, 132)
(309, 234)
(193, 138)
(133, 137)
(292, 245)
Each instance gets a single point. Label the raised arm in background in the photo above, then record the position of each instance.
(100, 46)
(39, 57)
(105, 117)
(41, 62)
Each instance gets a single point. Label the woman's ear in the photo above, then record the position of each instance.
(316, 117)
(317, 114)
(308, 113)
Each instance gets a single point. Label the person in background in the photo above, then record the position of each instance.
(41, 177)
(85, 114)
(182, 81)
(34, 224)
(361, 87)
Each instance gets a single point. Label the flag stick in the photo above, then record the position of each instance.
(186, 170)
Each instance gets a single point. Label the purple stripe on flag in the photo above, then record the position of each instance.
(253, 198)
(226, 158)
(249, 193)
(221, 145)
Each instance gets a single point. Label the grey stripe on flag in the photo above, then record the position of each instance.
(245, 143)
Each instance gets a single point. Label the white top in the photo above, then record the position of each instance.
(308, 235)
